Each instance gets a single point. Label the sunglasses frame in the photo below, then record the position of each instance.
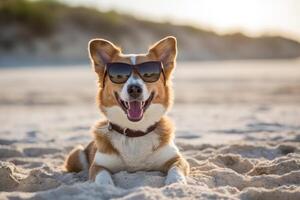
(135, 69)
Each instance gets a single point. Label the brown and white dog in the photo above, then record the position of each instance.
(124, 141)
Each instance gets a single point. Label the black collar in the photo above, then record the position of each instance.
(129, 132)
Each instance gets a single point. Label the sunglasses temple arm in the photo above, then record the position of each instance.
(103, 81)
(164, 75)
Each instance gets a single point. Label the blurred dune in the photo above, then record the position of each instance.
(37, 32)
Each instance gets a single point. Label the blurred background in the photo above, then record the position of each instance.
(41, 31)
(233, 51)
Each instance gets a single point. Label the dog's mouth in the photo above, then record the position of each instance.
(134, 109)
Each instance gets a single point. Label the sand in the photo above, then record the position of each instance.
(237, 124)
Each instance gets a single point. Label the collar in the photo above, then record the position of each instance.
(129, 132)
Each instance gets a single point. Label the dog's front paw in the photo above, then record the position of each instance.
(175, 176)
(104, 178)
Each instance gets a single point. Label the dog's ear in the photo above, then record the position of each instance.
(166, 51)
(101, 52)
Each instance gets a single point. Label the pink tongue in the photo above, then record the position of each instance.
(135, 110)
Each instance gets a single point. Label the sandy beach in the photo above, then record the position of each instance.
(238, 125)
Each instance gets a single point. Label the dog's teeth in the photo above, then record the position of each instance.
(127, 104)
(143, 103)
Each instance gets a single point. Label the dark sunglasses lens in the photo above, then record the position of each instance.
(150, 71)
(118, 72)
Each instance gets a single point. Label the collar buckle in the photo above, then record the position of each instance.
(125, 131)
(110, 127)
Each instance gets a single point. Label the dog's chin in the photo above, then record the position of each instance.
(134, 109)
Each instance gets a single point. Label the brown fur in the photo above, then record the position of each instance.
(90, 151)
(165, 129)
(111, 53)
(178, 162)
(94, 170)
(101, 52)
(72, 162)
(102, 143)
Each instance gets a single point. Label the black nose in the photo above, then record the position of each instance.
(134, 90)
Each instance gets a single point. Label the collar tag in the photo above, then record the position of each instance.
(109, 127)
(125, 131)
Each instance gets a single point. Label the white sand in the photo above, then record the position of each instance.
(238, 124)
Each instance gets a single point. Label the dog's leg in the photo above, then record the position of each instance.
(177, 168)
(100, 175)
(76, 160)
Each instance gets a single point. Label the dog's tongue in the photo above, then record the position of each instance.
(135, 110)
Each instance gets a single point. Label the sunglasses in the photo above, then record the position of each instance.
(119, 72)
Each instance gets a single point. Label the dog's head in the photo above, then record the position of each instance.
(133, 103)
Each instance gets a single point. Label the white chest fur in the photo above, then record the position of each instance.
(138, 153)
(135, 151)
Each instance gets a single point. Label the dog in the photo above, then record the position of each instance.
(134, 94)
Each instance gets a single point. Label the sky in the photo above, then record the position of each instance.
(252, 17)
